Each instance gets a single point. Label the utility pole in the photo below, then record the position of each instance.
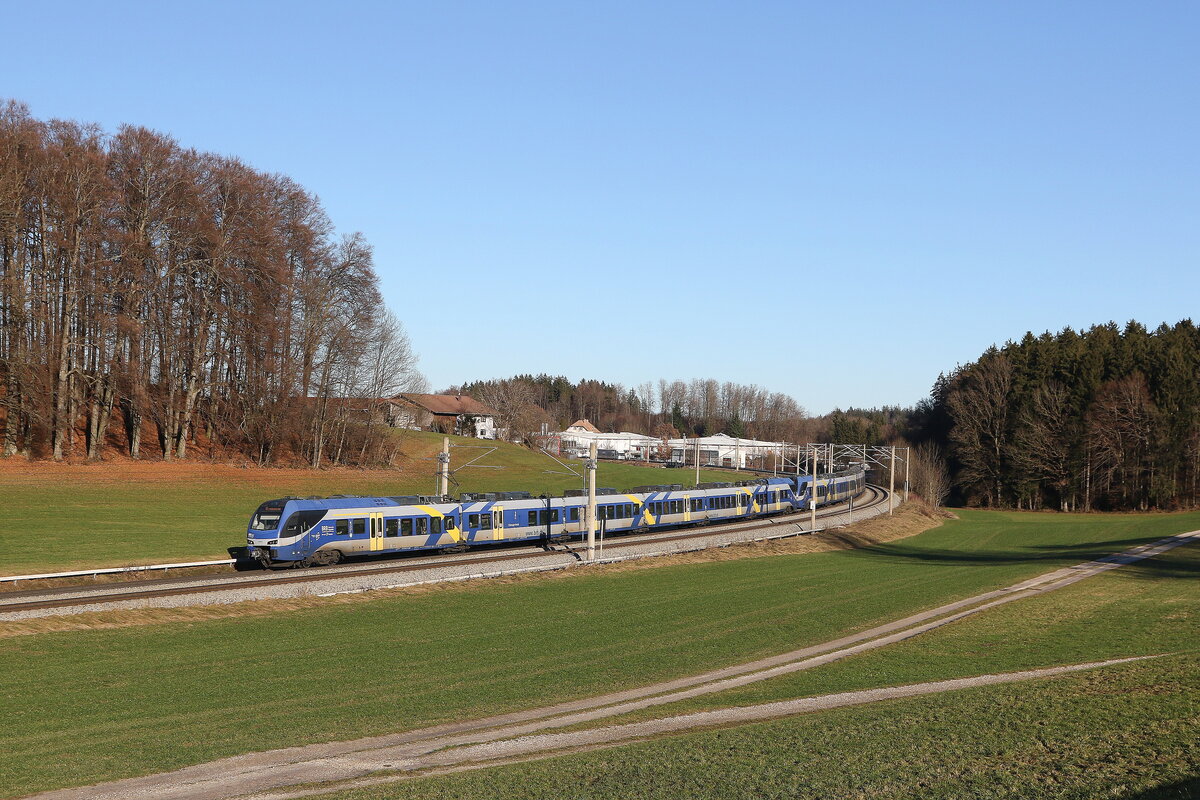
(697, 461)
(907, 458)
(737, 454)
(444, 468)
(591, 503)
(812, 493)
(892, 481)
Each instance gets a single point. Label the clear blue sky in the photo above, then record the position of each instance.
(630, 191)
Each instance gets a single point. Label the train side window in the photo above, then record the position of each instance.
(574, 514)
(554, 515)
(360, 527)
(343, 527)
(391, 527)
(485, 522)
(498, 522)
(449, 523)
(406, 526)
(435, 525)
(533, 518)
(422, 526)
(472, 520)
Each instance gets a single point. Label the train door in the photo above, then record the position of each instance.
(497, 523)
(687, 508)
(376, 529)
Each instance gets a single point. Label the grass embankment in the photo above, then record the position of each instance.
(86, 706)
(59, 517)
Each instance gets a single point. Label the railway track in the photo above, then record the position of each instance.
(89, 596)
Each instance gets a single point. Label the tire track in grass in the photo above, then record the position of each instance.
(548, 745)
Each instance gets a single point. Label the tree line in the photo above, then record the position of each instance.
(185, 295)
(1107, 418)
(675, 408)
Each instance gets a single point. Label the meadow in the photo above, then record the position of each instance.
(1126, 731)
(91, 705)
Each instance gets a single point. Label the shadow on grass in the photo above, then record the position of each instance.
(1173, 563)
(1187, 789)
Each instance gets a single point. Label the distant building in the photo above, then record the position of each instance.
(723, 450)
(577, 439)
(462, 415)
(715, 451)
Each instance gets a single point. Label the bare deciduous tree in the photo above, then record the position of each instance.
(979, 406)
(187, 290)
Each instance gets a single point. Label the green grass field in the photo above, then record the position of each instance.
(59, 518)
(86, 706)
(1124, 733)
(1127, 731)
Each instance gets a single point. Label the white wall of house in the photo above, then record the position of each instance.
(485, 427)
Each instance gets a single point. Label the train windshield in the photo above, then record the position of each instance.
(301, 521)
(267, 516)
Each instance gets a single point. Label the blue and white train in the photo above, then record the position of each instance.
(324, 530)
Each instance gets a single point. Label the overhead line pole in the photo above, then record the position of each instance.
(892, 482)
(444, 468)
(812, 494)
(591, 503)
(906, 461)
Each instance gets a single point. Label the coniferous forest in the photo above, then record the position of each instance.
(180, 293)
(1106, 418)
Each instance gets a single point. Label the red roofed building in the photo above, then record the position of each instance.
(459, 414)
